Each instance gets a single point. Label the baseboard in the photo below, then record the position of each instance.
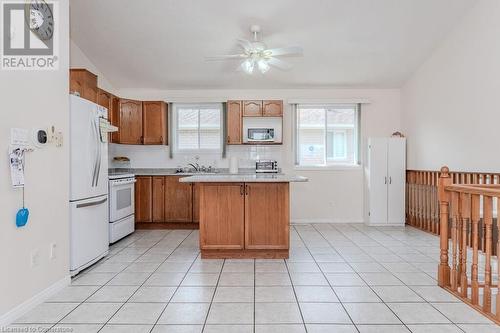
(28, 305)
(335, 221)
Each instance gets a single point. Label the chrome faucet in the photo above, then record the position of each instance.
(195, 166)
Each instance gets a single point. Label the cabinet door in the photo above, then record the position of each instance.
(114, 118)
(105, 99)
(130, 123)
(143, 200)
(396, 171)
(178, 200)
(154, 117)
(234, 121)
(252, 108)
(196, 203)
(377, 161)
(158, 199)
(222, 216)
(267, 216)
(272, 108)
(90, 86)
(76, 81)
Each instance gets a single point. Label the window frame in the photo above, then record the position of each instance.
(330, 163)
(199, 106)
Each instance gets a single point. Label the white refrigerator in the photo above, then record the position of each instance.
(89, 215)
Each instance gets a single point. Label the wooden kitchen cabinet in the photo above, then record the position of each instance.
(154, 120)
(129, 121)
(267, 216)
(84, 83)
(196, 203)
(222, 215)
(178, 200)
(252, 108)
(106, 99)
(234, 122)
(158, 199)
(143, 199)
(272, 108)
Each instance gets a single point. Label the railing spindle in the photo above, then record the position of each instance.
(465, 208)
(454, 241)
(487, 222)
(475, 245)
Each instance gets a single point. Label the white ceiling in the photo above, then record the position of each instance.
(161, 44)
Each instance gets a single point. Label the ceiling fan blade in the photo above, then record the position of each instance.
(225, 57)
(284, 51)
(275, 62)
(245, 44)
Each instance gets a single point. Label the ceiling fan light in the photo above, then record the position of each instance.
(248, 66)
(263, 66)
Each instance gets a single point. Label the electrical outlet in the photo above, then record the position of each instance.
(34, 258)
(52, 253)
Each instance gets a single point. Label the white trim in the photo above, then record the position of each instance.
(329, 101)
(331, 167)
(23, 308)
(323, 220)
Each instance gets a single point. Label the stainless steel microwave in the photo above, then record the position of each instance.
(266, 166)
(261, 134)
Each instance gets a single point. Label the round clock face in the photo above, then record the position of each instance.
(39, 18)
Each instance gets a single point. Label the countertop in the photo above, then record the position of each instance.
(171, 172)
(242, 178)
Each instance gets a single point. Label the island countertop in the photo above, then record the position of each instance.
(242, 178)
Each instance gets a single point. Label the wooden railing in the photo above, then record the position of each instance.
(468, 267)
(422, 206)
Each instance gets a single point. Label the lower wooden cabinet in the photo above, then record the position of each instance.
(244, 220)
(158, 199)
(178, 200)
(267, 216)
(143, 199)
(164, 199)
(223, 216)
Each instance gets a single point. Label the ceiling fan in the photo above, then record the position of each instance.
(256, 54)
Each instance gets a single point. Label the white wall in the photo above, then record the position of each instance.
(450, 110)
(330, 195)
(33, 99)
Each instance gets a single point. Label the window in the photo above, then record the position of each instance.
(327, 134)
(198, 127)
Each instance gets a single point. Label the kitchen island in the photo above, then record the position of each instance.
(244, 216)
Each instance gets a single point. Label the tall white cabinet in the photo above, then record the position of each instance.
(386, 178)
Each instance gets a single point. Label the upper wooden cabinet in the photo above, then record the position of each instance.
(272, 108)
(129, 122)
(234, 122)
(252, 108)
(84, 83)
(223, 216)
(154, 123)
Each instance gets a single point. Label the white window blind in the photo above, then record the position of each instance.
(198, 127)
(327, 134)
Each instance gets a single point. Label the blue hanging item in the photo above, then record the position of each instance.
(22, 215)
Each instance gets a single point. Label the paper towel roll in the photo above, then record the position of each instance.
(233, 164)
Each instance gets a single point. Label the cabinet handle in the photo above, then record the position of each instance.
(228, 139)
(385, 180)
(390, 180)
(142, 139)
(241, 190)
(246, 189)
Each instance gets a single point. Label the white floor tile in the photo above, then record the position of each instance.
(324, 313)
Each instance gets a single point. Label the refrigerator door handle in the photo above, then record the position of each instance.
(94, 182)
(94, 203)
(99, 150)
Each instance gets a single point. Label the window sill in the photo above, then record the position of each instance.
(328, 168)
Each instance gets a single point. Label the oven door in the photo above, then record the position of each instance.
(121, 198)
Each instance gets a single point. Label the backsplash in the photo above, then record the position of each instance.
(157, 156)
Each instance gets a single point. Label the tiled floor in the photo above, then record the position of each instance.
(339, 278)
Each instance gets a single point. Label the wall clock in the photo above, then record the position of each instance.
(39, 18)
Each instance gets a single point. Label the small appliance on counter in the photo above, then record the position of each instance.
(121, 206)
(266, 166)
(261, 135)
